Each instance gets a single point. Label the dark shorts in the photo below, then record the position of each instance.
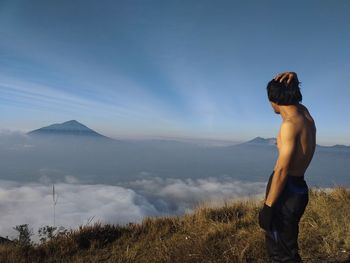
(282, 241)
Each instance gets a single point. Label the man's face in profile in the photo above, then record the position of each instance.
(275, 107)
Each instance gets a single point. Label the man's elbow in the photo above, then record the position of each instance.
(281, 171)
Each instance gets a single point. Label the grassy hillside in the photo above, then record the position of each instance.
(229, 233)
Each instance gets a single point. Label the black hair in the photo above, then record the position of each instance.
(284, 94)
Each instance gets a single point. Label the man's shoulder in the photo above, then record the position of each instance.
(288, 129)
(288, 124)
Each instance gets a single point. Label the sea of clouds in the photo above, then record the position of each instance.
(81, 204)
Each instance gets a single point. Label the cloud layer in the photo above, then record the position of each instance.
(79, 204)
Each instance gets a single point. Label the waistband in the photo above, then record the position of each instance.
(292, 177)
(296, 178)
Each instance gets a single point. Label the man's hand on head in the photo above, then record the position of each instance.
(289, 75)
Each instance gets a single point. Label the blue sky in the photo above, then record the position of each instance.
(172, 68)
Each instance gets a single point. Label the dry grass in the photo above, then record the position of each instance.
(229, 233)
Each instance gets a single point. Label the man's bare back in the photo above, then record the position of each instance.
(305, 139)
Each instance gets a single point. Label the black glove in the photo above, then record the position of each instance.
(265, 217)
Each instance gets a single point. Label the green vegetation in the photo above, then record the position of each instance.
(229, 233)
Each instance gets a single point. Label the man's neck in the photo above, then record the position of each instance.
(288, 111)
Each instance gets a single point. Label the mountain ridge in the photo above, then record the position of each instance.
(75, 128)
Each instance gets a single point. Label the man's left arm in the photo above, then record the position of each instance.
(286, 151)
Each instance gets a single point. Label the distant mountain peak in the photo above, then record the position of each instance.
(340, 146)
(262, 141)
(72, 122)
(72, 128)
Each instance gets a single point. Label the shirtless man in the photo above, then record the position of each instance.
(286, 194)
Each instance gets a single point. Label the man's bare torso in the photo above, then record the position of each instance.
(305, 141)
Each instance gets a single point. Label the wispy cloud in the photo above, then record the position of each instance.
(36, 94)
(128, 107)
